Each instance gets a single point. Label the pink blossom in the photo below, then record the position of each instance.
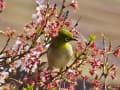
(102, 52)
(96, 83)
(75, 32)
(113, 74)
(2, 5)
(92, 71)
(71, 87)
(114, 67)
(27, 80)
(61, 18)
(40, 48)
(116, 52)
(68, 23)
(74, 4)
(93, 45)
(80, 45)
(53, 32)
(85, 78)
(96, 63)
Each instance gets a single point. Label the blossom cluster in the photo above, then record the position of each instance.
(2, 4)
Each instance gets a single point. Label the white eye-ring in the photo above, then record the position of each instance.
(66, 39)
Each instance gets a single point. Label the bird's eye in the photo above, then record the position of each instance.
(66, 39)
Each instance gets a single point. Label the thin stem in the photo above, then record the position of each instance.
(105, 77)
(110, 45)
(16, 81)
(76, 24)
(84, 85)
(47, 8)
(104, 67)
(65, 18)
(5, 46)
(62, 8)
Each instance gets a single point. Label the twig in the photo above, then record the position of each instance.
(17, 81)
(47, 8)
(110, 45)
(62, 8)
(5, 46)
(104, 67)
(76, 24)
(1, 11)
(65, 18)
(43, 53)
(84, 86)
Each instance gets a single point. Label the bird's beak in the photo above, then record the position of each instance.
(74, 39)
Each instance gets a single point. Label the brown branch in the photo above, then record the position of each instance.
(65, 18)
(5, 46)
(76, 24)
(43, 53)
(104, 65)
(47, 8)
(16, 81)
(62, 8)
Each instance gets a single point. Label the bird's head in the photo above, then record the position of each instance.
(65, 36)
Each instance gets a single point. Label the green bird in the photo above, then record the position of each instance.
(60, 51)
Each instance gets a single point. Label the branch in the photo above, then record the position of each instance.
(66, 16)
(62, 8)
(76, 24)
(5, 46)
(104, 67)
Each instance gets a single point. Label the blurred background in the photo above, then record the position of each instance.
(98, 16)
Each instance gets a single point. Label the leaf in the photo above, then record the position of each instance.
(25, 89)
(52, 88)
(13, 88)
(48, 10)
(59, 10)
(81, 66)
(106, 60)
(92, 37)
(38, 30)
(62, 69)
(105, 68)
(29, 87)
(77, 54)
(64, 78)
(59, 77)
(3, 86)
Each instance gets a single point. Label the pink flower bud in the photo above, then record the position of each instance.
(74, 4)
(27, 80)
(2, 5)
(92, 72)
(93, 45)
(116, 52)
(68, 23)
(96, 83)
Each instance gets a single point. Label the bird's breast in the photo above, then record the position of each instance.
(59, 56)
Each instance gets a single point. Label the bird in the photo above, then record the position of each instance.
(60, 51)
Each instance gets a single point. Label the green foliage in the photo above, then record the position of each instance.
(52, 88)
(38, 30)
(92, 37)
(29, 87)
